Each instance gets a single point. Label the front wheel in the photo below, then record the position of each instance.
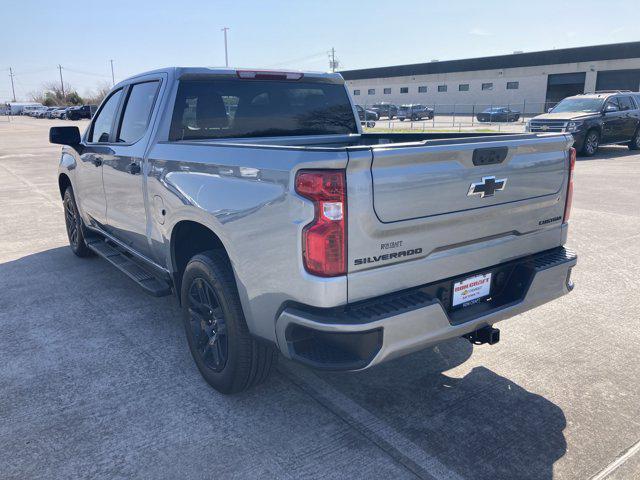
(591, 143)
(227, 356)
(634, 144)
(73, 222)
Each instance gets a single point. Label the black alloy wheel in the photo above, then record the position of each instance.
(208, 325)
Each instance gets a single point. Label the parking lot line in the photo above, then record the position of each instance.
(618, 462)
(393, 442)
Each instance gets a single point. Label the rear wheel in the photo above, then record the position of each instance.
(226, 355)
(74, 225)
(634, 144)
(591, 143)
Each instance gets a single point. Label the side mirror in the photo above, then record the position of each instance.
(64, 135)
(610, 108)
(549, 110)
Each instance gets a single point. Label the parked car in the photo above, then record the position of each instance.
(244, 219)
(498, 114)
(60, 112)
(27, 109)
(76, 113)
(415, 112)
(385, 110)
(594, 119)
(36, 112)
(367, 117)
(45, 113)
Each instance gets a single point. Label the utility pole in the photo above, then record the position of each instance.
(333, 63)
(113, 78)
(226, 52)
(61, 82)
(13, 88)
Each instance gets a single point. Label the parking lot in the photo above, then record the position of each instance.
(96, 379)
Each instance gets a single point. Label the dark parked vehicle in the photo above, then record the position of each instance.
(367, 117)
(385, 110)
(498, 114)
(415, 112)
(60, 112)
(594, 119)
(76, 113)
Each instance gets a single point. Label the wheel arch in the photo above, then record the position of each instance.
(64, 182)
(188, 238)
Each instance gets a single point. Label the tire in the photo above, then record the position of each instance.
(634, 144)
(591, 143)
(401, 119)
(227, 356)
(75, 228)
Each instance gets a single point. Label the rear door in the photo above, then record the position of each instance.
(629, 117)
(123, 171)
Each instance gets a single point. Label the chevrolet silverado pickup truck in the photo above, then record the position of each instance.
(255, 198)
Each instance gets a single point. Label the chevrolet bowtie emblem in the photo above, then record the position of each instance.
(544, 127)
(487, 187)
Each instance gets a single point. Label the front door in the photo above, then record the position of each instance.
(123, 171)
(612, 123)
(95, 151)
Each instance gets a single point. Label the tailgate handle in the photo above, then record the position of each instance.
(489, 156)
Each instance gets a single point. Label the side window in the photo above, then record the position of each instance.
(626, 103)
(137, 111)
(612, 105)
(101, 130)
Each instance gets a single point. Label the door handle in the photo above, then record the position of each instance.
(97, 161)
(133, 168)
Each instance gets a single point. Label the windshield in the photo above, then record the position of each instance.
(579, 105)
(236, 108)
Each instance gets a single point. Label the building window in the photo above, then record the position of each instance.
(513, 85)
(356, 92)
(442, 88)
(487, 86)
(387, 91)
(371, 91)
(404, 89)
(422, 89)
(463, 87)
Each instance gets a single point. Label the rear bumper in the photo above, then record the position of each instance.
(367, 333)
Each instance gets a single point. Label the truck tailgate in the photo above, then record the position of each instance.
(434, 180)
(423, 213)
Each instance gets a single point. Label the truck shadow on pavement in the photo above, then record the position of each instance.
(79, 340)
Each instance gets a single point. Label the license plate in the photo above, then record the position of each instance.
(472, 288)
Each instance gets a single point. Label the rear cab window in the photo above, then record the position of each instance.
(240, 108)
(137, 111)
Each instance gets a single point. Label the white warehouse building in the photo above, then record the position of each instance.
(529, 82)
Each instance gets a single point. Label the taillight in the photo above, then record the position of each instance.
(572, 166)
(324, 240)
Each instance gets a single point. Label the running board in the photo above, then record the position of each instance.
(150, 283)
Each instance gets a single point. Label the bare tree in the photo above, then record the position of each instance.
(51, 94)
(96, 96)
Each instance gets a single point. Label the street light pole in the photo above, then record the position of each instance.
(113, 78)
(226, 52)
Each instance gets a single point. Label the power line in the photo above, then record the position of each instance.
(298, 60)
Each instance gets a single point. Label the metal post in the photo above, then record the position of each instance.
(113, 78)
(453, 120)
(226, 52)
(13, 88)
(473, 114)
(61, 81)
(524, 109)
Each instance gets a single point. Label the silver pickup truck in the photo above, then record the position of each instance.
(279, 225)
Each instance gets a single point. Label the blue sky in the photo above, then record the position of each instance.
(83, 36)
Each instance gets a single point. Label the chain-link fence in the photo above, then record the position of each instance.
(457, 116)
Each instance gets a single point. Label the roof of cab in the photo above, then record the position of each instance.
(182, 72)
